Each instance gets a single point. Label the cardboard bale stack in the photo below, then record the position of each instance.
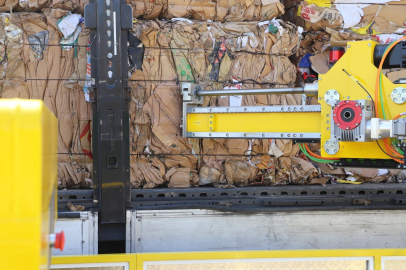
(223, 44)
(35, 66)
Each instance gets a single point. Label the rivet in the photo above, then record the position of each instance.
(288, 135)
(227, 134)
(301, 135)
(194, 110)
(369, 44)
(245, 134)
(328, 128)
(346, 128)
(263, 134)
(245, 109)
(328, 122)
(263, 109)
(228, 109)
(211, 116)
(319, 78)
(348, 46)
(294, 135)
(319, 98)
(281, 135)
(210, 134)
(193, 134)
(302, 109)
(328, 115)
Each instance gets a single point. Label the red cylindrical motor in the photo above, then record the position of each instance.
(335, 54)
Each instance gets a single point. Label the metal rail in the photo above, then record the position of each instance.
(271, 91)
(258, 199)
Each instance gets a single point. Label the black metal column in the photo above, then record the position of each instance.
(109, 22)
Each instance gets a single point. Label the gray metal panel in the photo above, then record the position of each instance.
(206, 230)
(255, 109)
(80, 234)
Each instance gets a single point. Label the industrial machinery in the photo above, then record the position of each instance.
(350, 122)
(358, 122)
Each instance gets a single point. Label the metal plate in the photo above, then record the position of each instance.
(398, 95)
(254, 135)
(262, 264)
(255, 109)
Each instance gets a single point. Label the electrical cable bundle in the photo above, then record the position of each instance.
(391, 146)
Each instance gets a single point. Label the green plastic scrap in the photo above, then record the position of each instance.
(273, 29)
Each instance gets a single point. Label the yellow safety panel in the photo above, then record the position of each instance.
(357, 61)
(254, 122)
(28, 173)
(368, 259)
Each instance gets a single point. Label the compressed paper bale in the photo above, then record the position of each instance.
(145, 173)
(239, 173)
(208, 175)
(180, 178)
(74, 175)
(15, 88)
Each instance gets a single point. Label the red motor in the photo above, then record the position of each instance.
(335, 55)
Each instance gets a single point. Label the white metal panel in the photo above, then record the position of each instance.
(81, 234)
(206, 230)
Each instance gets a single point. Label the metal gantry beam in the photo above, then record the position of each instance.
(109, 22)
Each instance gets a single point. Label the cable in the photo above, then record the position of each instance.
(313, 158)
(315, 155)
(378, 76)
(357, 81)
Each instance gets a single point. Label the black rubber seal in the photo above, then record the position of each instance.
(344, 114)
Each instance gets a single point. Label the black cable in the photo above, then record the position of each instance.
(385, 151)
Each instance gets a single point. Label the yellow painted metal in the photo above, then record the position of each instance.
(136, 261)
(237, 255)
(28, 173)
(254, 122)
(113, 258)
(357, 61)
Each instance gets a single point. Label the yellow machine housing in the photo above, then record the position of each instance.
(28, 174)
(357, 61)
